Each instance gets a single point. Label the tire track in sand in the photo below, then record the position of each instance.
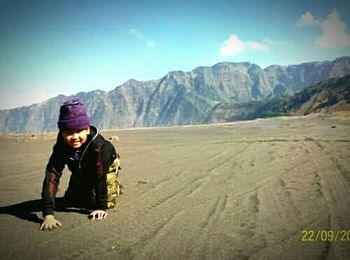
(146, 242)
(336, 188)
(194, 186)
(226, 160)
(152, 236)
(215, 212)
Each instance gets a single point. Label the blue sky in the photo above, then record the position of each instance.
(51, 47)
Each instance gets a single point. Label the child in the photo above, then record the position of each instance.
(89, 157)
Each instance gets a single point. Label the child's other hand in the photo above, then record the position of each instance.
(98, 214)
(50, 222)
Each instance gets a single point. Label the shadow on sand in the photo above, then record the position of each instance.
(28, 210)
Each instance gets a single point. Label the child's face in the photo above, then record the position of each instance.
(75, 138)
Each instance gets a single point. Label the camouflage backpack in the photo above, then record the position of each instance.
(113, 185)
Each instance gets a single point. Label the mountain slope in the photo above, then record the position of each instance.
(324, 97)
(179, 97)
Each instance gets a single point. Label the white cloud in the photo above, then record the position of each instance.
(334, 32)
(307, 20)
(151, 44)
(256, 46)
(333, 29)
(233, 46)
(142, 37)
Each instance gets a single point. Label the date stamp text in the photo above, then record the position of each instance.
(325, 235)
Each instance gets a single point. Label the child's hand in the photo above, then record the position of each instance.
(98, 214)
(50, 222)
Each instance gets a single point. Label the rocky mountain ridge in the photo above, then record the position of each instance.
(326, 96)
(178, 98)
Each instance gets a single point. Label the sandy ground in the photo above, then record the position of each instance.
(245, 190)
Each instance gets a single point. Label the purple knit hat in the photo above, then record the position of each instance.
(73, 115)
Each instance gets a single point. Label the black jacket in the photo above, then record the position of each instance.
(88, 176)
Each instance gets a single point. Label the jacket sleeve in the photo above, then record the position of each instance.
(53, 173)
(105, 156)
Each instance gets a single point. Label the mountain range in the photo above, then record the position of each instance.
(326, 96)
(223, 92)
